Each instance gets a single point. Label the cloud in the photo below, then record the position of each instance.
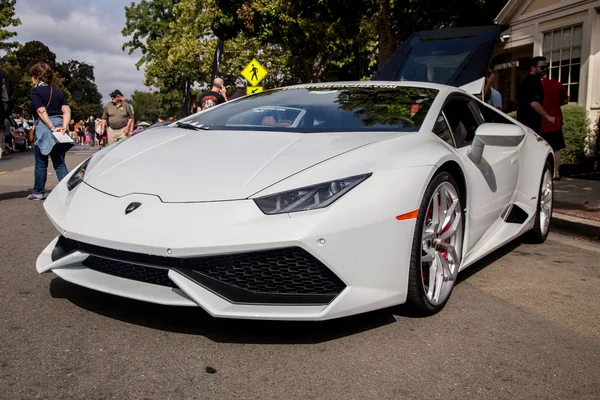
(88, 31)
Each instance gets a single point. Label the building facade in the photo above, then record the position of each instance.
(566, 32)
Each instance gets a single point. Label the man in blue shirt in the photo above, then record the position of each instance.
(492, 96)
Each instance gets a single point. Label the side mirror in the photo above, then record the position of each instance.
(493, 134)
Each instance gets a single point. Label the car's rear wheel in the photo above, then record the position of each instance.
(437, 246)
(545, 205)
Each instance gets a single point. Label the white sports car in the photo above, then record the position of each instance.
(310, 202)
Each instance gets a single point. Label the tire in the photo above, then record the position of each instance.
(434, 253)
(545, 205)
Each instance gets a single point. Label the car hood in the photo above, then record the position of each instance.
(195, 166)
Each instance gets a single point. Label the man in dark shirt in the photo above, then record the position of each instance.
(530, 97)
(213, 97)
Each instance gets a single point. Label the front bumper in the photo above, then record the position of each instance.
(365, 249)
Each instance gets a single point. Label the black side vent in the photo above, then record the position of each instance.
(517, 215)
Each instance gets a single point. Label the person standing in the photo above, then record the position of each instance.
(492, 96)
(98, 130)
(555, 96)
(530, 97)
(215, 96)
(54, 114)
(72, 129)
(91, 130)
(118, 115)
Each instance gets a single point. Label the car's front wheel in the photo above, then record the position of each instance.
(437, 246)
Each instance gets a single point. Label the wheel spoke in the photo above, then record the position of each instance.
(439, 278)
(446, 269)
(429, 257)
(435, 216)
(452, 230)
(451, 251)
(443, 209)
(428, 234)
(450, 213)
(432, 278)
(547, 196)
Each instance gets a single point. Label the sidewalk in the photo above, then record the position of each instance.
(577, 206)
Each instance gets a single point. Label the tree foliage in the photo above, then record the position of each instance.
(147, 106)
(299, 41)
(7, 18)
(33, 52)
(80, 82)
(74, 78)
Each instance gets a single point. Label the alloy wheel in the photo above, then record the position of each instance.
(441, 246)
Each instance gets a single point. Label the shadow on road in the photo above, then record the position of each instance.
(15, 195)
(487, 260)
(195, 321)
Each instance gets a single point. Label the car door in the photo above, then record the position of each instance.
(491, 184)
(457, 57)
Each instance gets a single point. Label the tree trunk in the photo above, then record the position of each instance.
(387, 41)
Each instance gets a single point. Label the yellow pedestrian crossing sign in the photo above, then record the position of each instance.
(253, 89)
(254, 72)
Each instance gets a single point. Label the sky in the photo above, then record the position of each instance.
(84, 30)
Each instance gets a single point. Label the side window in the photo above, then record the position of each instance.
(490, 115)
(463, 123)
(442, 130)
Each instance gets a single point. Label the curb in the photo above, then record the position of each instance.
(576, 225)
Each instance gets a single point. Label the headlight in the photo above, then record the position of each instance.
(308, 198)
(78, 176)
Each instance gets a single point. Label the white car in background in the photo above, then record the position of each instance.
(314, 201)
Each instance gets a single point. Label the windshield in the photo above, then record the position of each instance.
(323, 109)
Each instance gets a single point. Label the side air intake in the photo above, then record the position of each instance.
(516, 215)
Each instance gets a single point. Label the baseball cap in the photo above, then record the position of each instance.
(116, 92)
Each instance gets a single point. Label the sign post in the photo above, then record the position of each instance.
(254, 72)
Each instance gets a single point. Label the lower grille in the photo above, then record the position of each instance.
(289, 275)
(156, 276)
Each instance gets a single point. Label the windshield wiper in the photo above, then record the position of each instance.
(187, 125)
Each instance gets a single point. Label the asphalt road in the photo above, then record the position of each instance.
(16, 161)
(521, 324)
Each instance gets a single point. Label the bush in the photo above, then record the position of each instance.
(576, 129)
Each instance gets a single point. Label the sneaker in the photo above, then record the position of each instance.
(35, 197)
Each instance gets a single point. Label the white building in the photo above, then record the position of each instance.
(566, 32)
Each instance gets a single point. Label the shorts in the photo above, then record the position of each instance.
(555, 139)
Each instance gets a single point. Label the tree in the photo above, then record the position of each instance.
(148, 23)
(7, 18)
(33, 52)
(147, 106)
(317, 33)
(397, 19)
(80, 82)
(182, 44)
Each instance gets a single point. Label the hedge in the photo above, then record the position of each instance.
(576, 129)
